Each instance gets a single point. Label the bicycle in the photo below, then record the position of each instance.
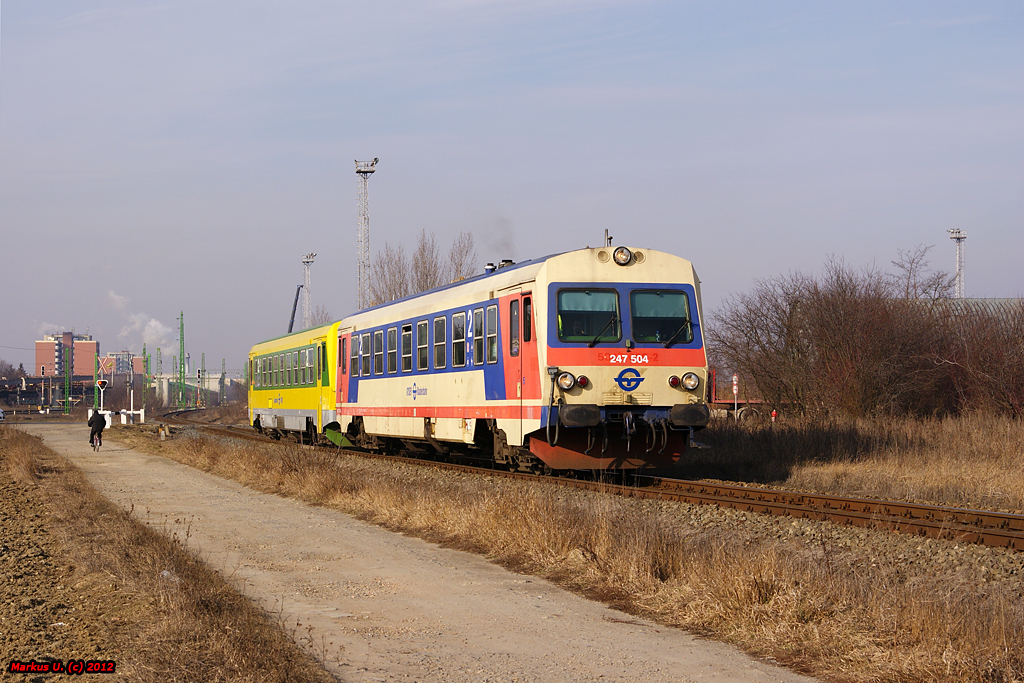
(96, 442)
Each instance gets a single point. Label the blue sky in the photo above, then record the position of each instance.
(167, 156)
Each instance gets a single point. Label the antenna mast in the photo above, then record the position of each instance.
(364, 169)
(307, 311)
(958, 235)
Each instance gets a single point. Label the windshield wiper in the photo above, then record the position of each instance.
(675, 334)
(610, 322)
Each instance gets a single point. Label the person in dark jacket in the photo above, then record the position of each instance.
(97, 422)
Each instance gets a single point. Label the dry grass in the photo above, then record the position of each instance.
(971, 461)
(819, 611)
(183, 621)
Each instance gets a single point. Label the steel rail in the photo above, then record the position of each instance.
(997, 529)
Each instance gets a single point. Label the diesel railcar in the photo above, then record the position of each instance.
(591, 359)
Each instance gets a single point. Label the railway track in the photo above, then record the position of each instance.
(997, 529)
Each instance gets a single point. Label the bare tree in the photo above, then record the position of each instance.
(856, 341)
(321, 316)
(914, 279)
(428, 270)
(462, 257)
(396, 276)
(390, 275)
(6, 369)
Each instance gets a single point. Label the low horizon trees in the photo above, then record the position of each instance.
(873, 342)
(396, 275)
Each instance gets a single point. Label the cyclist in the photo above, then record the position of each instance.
(97, 422)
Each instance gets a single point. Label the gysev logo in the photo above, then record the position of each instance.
(629, 379)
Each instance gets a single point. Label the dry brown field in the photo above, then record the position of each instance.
(844, 605)
(81, 579)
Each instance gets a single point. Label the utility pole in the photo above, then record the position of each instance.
(307, 311)
(364, 169)
(958, 236)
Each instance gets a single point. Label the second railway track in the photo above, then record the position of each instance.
(996, 529)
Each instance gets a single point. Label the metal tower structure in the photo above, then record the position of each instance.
(958, 236)
(181, 361)
(223, 381)
(160, 398)
(201, 387)
(307, 311)
(364, 169)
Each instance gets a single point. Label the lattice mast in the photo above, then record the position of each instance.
(307, 306)
(958, 236)
(181, 361)
(223, 382)
(364, 169)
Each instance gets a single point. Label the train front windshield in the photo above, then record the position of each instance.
(661, 316)
(588, 315)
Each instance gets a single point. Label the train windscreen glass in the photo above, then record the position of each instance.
(661, 316)
(588, 315)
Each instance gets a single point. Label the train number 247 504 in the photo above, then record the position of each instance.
(628, 358)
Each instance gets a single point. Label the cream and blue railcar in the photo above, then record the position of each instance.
(292, 384)
(592, 359)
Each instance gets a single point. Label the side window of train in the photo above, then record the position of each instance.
(308, 363)
(355, 355)
(440, 350)
(378, 352)
(325, 375)
(364, 344)
(303, 370)
(478, 336)
(458, 340)
(343, 355)
(513, 327)
(392, 349)
(406, 348)
(527, 319)
(492, 334)
(422, 342)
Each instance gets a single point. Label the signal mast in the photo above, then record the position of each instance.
(364, 169)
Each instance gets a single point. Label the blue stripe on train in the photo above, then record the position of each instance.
(493, 373)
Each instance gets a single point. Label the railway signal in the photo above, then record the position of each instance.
(102, 384)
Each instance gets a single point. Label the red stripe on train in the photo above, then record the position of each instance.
(510, 412)
(627, 357)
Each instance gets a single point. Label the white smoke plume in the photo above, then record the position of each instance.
(141, 328)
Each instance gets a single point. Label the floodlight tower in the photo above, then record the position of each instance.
(307, 312)
(364, 169)
(958, 236)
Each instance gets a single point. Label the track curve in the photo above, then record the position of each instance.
(996, 529)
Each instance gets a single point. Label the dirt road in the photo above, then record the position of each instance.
(378, 606)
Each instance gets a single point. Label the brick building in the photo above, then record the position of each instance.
(81, 350)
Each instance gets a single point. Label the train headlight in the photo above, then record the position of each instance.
(690, 381)
(566, 381)
(622, 256)
(673, 381)
(582, 381)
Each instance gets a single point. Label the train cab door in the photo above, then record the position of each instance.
(512, 322)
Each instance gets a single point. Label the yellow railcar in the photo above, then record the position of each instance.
(292, 384)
